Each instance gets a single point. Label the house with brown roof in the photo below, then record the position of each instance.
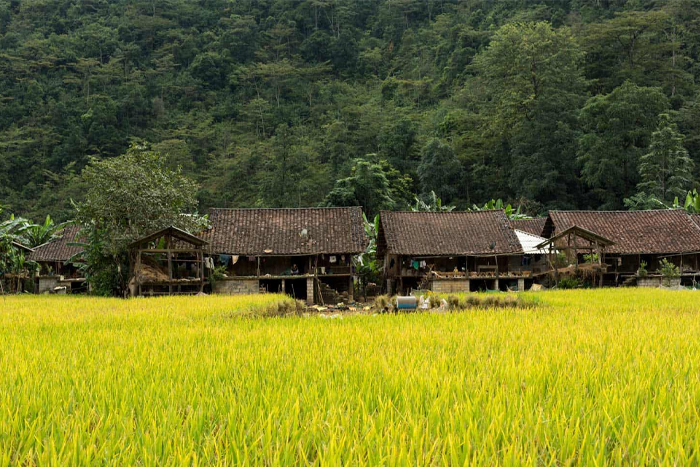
(55, 267)
(304, 252)
(452, 252)
(637, 236)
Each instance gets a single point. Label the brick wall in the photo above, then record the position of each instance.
(236, 286)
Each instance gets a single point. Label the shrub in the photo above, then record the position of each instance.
(669, 271)
(434, 300)
(453, 302)
(570, 283)
(471, 301)
(591, 258)
(642, 271)
(383, 304)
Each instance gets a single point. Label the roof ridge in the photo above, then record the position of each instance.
(443, 212)
(617, 210)
(307, 208)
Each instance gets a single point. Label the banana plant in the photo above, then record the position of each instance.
(434, 204)
(34, 235)
(692, 202)
(511, 213)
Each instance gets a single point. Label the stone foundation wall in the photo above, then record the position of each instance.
(657, 282)
(236, 286)
(450, 286)
(310, 291)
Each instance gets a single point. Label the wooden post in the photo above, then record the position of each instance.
(138, 268)
(258, 260)
(681, 264)
(600, 263)
(170, 266)
(496, 285)
(201, 271)
(556, 269)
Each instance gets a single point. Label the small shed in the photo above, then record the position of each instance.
(167, 262)
(570, 242)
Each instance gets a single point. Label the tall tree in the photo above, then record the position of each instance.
(368, 187)
(440, 172)
(616, 131)
(666, 171)
(534, 82)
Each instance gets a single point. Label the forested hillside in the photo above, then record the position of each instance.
(548, 104)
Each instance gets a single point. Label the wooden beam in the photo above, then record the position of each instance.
(174, 250)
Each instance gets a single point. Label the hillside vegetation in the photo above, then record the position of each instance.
(547, 103)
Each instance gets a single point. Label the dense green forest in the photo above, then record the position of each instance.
(281, 103)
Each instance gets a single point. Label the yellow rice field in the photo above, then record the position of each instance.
(587, 377)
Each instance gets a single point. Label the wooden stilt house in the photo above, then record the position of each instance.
(305, 252)
(451, 252)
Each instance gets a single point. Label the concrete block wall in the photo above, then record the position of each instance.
(47, 283)
(236, 286)
(450, 286)
(657, 282)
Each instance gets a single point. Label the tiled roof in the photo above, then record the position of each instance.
(634, 232)
(447, 233)
(531, 226)
(696, 219)
(303, 231)
(58, 248)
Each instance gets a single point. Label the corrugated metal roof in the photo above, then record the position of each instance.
(529, 242)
